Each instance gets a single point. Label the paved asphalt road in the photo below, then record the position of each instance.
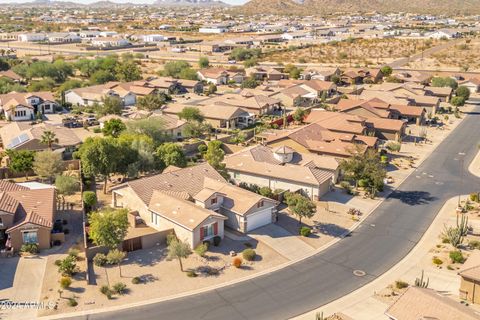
(386, 236)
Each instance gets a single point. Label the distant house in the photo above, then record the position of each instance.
(473, 84)
(23, 136)
(445, 34)
(219, 116)
(32, 37)
(283, 168)
(11, 75)
(110, 42)
(358, 76)
(196, 202)
(88, 96)
(63, 37)
(19, 106)
(324, 74)
(89, 34)
(217, 76)
(314, 138)
(255, 104)
(266, 73)
(213, 29)
(153, 38)
(26, 215)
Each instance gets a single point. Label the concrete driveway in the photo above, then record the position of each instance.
(282, 241)
(21, 281)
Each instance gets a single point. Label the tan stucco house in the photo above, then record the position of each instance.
(196, 202)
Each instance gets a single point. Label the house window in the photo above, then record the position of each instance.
(209, 231)
(260, 204)
(1, 222)
(213, 201)
(155, 219)
(30, 237)
(236, 175)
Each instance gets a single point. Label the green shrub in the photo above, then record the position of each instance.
(449, 267)
(345, 185)
(393, 146)
(31, 248)
(58, 262)
(68, 266)
(191, 274)
(170, 237)
(89, 198)
(474, 244)
(119, 288)
(216, 241)
(100, 259)
(305, 231)
(97, 130)
(363, 183)
(249, 254)
(72, 302)
(106, 291)
(201, 249)
(73, 252)
(65, 282)
(136, 280)
(437, 261)
(474, 197)
(399, 284)
(202, 148)
(456, 256)
(383, 159)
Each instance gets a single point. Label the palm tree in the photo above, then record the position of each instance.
(49, 138)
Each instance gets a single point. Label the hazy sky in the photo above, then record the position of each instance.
(131, 1)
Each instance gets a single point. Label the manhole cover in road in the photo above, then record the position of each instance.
(359, 273)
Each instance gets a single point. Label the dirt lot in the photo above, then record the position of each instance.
(461, 57)
(362, 52)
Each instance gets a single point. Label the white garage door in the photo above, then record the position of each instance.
(259, 219)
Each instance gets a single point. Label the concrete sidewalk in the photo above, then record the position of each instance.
(282, 241)
(362, 305)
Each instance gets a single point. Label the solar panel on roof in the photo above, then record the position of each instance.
(18, 140)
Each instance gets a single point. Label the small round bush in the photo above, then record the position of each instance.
(106, 291)
(437, 261)
(119, 288)
(474, 197)
(100, 259)
(31, 248)
(73, 252)
(136, 280)
(401, 284)
(237, 262)
(191, 274)
(305, 231)
(65, 282)
(456, 256)
(249, 254)
(72, 302)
